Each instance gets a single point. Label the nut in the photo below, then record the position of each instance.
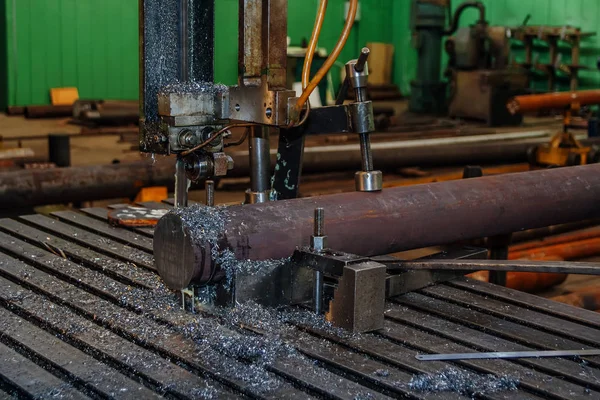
(318, 242)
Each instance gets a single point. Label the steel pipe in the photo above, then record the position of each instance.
(260, 160)
(370, 224)
(526, 103)
(28, 188)
(389, 156)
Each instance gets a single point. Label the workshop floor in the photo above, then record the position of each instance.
(87, 150)
(104, 149)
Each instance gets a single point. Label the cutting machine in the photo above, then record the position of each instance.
(276, 252)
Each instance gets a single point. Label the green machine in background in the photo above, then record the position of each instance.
(429, 27)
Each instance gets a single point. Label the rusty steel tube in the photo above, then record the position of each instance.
(526, 103)
(28, 188)
(369, 224)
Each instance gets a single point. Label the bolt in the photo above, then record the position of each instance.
(187, 138)
(319, 222)
(269, 112)
(237, 107)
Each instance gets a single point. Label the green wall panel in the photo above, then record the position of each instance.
(88, 44)
(93, 44)
(3, 57)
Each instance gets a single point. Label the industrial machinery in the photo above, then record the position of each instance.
(259, 252)
(480, 77)
(185, 113)
(564, 149)
(83, 313)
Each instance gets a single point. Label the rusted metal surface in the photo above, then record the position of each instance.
(263, 42)
(394, 220)
(277, 44)
(558, 239)
(571, 250)
(48, 111)
(251, 55)
(521, 104)
(34, 187)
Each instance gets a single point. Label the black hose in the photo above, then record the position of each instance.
(457, 14)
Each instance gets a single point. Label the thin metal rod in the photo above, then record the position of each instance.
(260, 159)
(319, 221)
(210, 193)
(318, 292)
(181, 184)
(555, 267)
(366, 153)
(507, 354)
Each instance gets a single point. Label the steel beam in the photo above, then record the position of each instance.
(33, 187)
(381, 223)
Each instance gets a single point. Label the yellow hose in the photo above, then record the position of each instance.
(331, 59)
(312, 46)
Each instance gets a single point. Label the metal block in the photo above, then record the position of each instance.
(207, 102)
(368, 181)
(259, 105)
(359, 300)
(272, 286)
(222, 164)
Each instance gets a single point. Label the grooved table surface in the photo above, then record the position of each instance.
(84, 315)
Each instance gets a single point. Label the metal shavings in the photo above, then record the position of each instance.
(209, 225)
(206, 295)
(208, 222)
(208, 392)
(193, 88)
(224, 346)
(382, 372)
(229, 263)
(462, 382)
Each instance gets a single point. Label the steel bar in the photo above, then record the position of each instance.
(48, 111)
(555, 230)
(112, 116)
(401, 153)
(507, 355)
(27, 188)
(554, 267)
(181, 184)
(370, 224)
(536, 102)
(260, 160)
